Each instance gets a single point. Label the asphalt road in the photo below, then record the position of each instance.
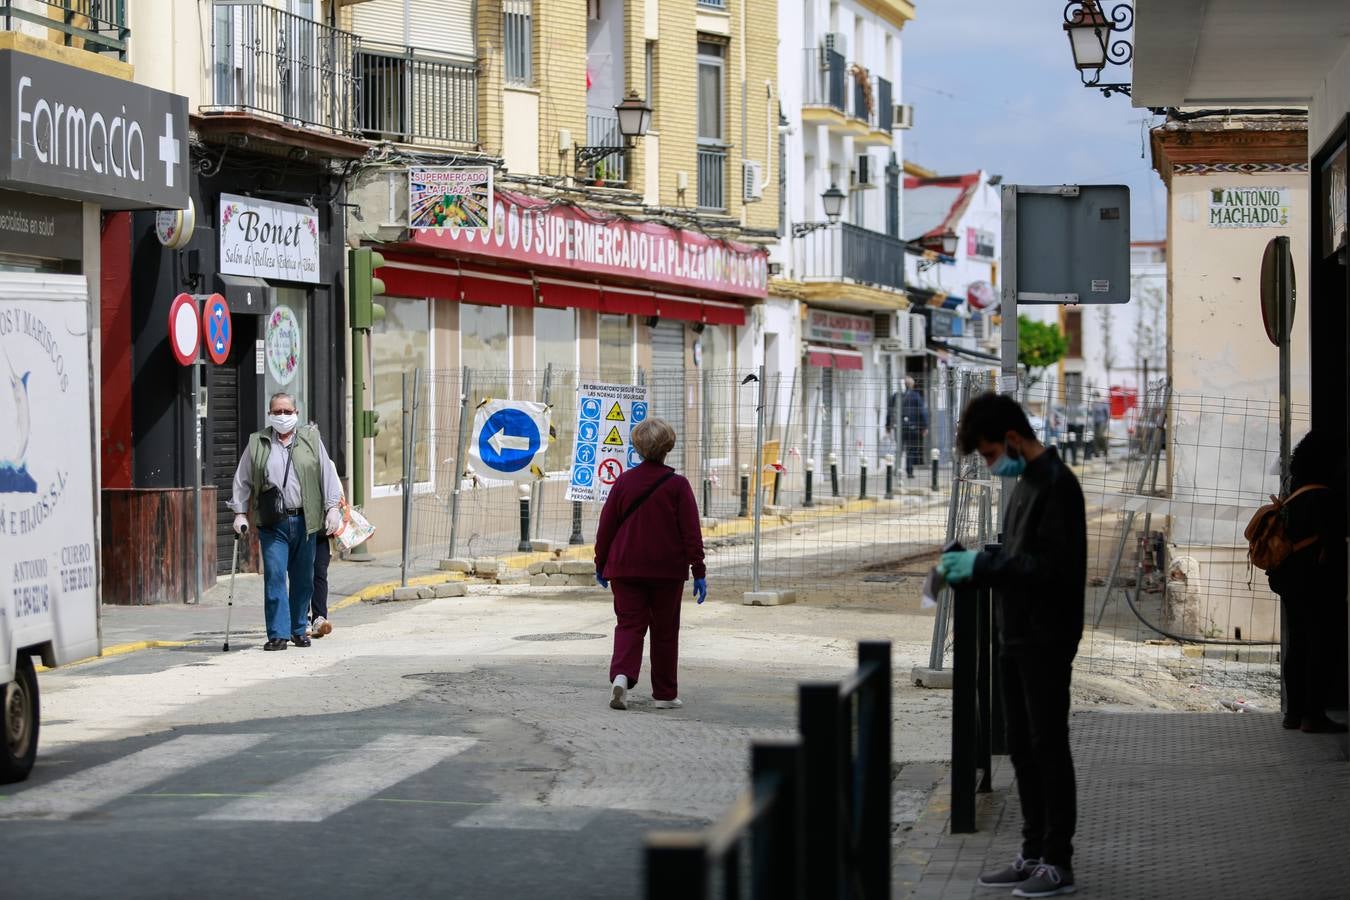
(454, 748)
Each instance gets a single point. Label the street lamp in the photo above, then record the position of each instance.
(833, 201)
(1090, 40)
(943, 245)
(635, 116)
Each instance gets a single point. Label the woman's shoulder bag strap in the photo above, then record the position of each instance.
(642, 499)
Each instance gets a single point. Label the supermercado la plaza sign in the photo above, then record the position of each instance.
(85, 136)
(528, 231)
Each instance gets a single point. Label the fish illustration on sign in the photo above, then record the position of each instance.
(14, 477)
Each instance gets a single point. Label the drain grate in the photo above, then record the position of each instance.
(562, 636)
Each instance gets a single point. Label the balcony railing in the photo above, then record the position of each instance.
(279, 65)
(713, 4)
(602, 130)
(824, 79)
(846, 252)
(99, 26)
(414, 96)
(885, 106)
(712, 178)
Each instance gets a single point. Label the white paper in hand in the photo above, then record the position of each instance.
(931, 585)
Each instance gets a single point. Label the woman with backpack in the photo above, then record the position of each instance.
(1311, 582)
(647, 543)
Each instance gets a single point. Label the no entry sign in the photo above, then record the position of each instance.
(185, 331)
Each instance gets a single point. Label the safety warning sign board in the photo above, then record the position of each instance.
(606, 414)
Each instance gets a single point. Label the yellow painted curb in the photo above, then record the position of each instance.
(123, 649)
(375, 591)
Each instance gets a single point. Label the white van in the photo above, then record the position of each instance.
(49, 551)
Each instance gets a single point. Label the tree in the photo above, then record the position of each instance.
(1039, 345)
(1150, 328)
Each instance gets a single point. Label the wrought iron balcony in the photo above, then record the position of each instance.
(846, 252)
(272, 63)
(413, 96)
(99, 26)
(824, 81)
(602, 168)
(712, 178)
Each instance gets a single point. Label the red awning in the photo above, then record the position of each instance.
(411, 276)
(830, 358)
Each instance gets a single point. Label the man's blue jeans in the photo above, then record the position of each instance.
(287, 549)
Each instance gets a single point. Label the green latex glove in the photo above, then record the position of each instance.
(957, 566)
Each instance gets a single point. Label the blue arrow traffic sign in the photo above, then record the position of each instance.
(590, 408)
(509, 440)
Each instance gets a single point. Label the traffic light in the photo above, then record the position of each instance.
(364, 287)
(370, 423)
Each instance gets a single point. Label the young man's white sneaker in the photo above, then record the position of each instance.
(320, 627)
(667, 704)
(618, 697)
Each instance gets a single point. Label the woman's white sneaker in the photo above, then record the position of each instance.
(618, 697)
(667, 704)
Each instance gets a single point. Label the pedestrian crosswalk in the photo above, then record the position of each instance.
(312, 795)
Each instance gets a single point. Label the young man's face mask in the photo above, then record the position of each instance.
(1009, 465)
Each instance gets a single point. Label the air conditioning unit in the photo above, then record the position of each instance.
(752, 181)
(894, 332)
(918, 333)
(902, 117)
(865, 173)
(836, 41)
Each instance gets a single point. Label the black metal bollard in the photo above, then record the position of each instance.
(810, 477)
(890, 477)
(834, 475)
(935, 469)
(745, 493)
(524, 544)
(862, 479)
(965, 722)
(777, 481)
(576, 537)
(707, 498)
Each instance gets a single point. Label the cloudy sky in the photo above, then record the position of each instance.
(993, 86)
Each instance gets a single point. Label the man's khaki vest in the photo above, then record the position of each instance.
(304, 463)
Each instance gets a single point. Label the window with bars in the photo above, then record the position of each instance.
(518, 41)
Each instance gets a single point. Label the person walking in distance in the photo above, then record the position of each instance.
(284, 481)
(913, 424)
(319, 625)
(647, 543)
(1039, 575)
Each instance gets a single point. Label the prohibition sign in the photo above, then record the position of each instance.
(610, 470)
(185, 331)
(217, 329)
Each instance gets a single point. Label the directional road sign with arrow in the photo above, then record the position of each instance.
(510, 438)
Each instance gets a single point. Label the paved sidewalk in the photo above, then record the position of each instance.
(1171, 805)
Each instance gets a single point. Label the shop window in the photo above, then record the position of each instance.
(485, 347)
(286, 347)
(616, 349)
(398, 344)
(717, 349)
(555, 344)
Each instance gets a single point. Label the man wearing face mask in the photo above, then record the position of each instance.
(1039, 576)
(286, 480)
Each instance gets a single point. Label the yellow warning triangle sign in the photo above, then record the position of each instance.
(615, 414)
(612, 439)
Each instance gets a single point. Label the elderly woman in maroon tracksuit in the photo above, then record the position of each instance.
(648, 541)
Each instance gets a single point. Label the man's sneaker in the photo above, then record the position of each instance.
(1047, 881)
(320, 627)
(1010, 876)
(667, 704)
(618, 698)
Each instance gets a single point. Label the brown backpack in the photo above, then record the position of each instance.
(1267, 543)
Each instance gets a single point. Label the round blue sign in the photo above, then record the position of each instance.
(509, 440)
(586, 454)
(590, 408)
(639, 411)
(216, 324)
(590, 432)
(582, 475)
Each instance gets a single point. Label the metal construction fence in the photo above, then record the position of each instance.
(803, 481)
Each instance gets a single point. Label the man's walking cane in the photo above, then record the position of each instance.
(234, 565)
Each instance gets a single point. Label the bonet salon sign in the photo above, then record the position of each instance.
(263, 239)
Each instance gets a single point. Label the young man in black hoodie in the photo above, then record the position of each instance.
(1039, 576)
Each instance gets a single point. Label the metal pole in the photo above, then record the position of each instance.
(358, 420)
(1284, 281)
(784, 445)
(198, 538)
(576, 536)
(705, 431)
(1008, 310)
(759, 479)
(537, 488)
(895, 418)
(810, 475)
(405, 425)
(461, 439)
(862, 478)
(889, 462)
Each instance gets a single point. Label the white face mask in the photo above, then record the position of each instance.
(282, 424)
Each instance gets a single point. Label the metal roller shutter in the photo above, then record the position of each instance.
(667, 378)
(444, 25)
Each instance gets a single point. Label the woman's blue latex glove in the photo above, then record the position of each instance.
(602, 581)
(700, 589)
(957, 566)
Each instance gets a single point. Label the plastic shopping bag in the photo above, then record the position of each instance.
(356, 528)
